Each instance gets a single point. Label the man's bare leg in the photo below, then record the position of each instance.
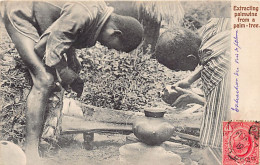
(38, 98)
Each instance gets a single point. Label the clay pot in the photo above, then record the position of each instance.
(153, 129)
(156, 113)
(170, 95)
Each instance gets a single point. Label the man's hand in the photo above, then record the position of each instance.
(77, 86)
(69, 78)
(186, 83)
(187, 97)
(183, 84)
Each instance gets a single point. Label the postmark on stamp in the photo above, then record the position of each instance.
(240, 143)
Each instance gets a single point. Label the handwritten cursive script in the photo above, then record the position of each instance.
(236, 100)
(235, 107)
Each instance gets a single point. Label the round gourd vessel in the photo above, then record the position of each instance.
(11, 154)
(153, 129)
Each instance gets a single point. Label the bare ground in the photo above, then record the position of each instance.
(105, 151)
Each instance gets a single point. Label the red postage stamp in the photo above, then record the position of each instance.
(240, 143)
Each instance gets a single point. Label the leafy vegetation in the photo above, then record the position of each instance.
(120, 80)
(15, 85)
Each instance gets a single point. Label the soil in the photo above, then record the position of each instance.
(105, 151)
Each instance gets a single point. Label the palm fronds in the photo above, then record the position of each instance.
(169, 11)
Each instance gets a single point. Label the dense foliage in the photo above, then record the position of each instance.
(121, 80)
(15, 85)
